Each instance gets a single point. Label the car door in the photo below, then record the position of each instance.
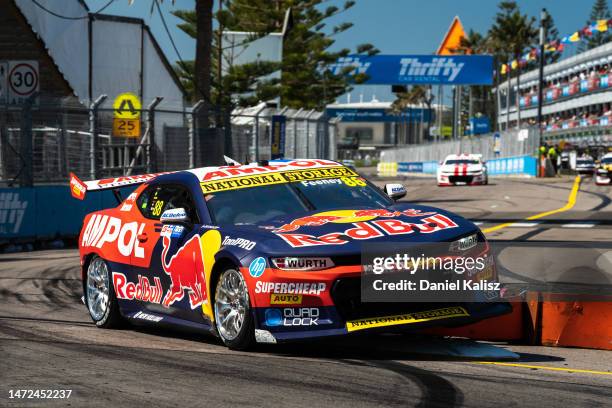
(176, 261)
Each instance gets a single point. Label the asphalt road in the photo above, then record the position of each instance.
(47, 340)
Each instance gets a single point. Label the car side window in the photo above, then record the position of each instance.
(156, 199)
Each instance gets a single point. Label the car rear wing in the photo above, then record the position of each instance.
(79, 188)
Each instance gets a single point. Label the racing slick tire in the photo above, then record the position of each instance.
(233, 318)
(100, 297)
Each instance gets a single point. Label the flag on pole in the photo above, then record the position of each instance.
(602, 25)
(575, 37)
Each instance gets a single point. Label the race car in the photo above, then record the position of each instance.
(259, 253)
(603, 174)
(585, 165)
(462, 169)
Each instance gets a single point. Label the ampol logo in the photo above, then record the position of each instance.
(102, 229)
(257, 267)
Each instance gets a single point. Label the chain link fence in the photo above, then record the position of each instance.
(44, 139)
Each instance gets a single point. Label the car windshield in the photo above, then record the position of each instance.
(256, 204)
(461, 161)
(585, 161)
(607, 160)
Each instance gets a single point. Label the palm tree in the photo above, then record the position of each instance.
(416, 95)
(511, 33)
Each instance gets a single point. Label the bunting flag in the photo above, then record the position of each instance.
(558, 45)
(601, 25)
(575, 37)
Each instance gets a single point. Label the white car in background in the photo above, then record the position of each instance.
(462, 169)
(603, 175)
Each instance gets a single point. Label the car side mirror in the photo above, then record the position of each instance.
(395, 191)
(175, 216)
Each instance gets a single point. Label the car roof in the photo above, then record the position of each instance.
(210, 173)
(463, 156)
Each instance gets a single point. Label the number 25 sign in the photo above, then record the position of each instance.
(126, 127)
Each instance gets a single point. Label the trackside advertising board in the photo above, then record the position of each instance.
(419, 69)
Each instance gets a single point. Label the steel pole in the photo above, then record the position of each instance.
(543, 17)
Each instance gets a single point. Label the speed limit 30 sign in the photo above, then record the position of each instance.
(22, 80)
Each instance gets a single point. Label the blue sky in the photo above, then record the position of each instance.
(393, 26)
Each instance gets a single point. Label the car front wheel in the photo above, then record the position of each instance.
(233, 318)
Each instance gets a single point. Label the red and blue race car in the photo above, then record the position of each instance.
(265, 252)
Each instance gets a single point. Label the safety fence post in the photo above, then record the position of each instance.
(193, 133)
(93, 131)
(148, 138)
(26, 176)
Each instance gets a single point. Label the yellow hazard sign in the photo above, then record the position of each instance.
(127, 106)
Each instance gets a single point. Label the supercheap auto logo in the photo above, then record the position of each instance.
(279, 177)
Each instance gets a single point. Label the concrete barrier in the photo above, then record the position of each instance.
(507, 166)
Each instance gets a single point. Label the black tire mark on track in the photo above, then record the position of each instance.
(436, 390)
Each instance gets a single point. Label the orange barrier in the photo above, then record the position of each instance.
(577, 324)
(507, 327)
(548, 321)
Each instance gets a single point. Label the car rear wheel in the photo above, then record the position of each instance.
(233, 318)
(100, 295)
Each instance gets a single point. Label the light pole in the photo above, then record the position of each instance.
(543, 18)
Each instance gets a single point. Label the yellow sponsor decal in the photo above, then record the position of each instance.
(266, 179)
(317, 174)
(415, 317)
(241, 182)
(285, 299)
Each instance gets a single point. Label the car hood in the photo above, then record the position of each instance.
(345, 230)
(460, 168)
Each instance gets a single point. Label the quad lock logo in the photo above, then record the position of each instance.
(292, 316)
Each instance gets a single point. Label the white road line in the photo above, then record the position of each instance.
(524, 224)
(579, 225)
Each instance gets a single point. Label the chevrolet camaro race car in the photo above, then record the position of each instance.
(265, 252)
(462, 169)
(603, 175)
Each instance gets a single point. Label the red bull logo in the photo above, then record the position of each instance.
(143, 290)
(186, 272)
(347, 217)
(365, 230)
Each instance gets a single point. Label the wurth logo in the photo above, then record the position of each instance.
(442, 66)
(12, 211)
(358, 67)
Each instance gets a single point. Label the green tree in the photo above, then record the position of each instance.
(600, 11)
(511, 34)
(236, 80)
(306, 50)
